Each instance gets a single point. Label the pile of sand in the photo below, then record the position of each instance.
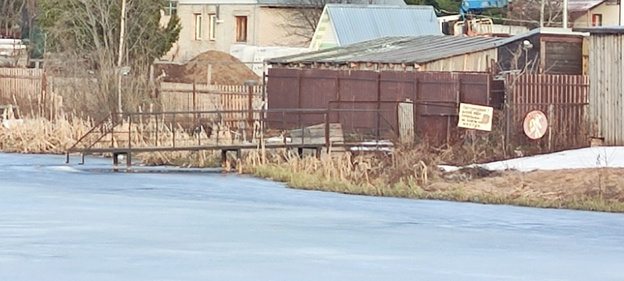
(225, 70)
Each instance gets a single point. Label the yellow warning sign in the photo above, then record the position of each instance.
(476, 117)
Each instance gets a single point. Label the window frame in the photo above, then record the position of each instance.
(212, 27)
(596, 20)
(241, 28)
(199, 27)
(171, 7)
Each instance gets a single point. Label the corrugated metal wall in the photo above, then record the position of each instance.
(606, 99)
(374, 96)
(477, 61)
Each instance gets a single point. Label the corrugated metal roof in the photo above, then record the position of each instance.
(543, 30)
(354, 23)
(602, 29)
(407, 50)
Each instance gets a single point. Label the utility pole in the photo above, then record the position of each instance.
(120, 57)
(542, 15)
(621, 6)
(565, 13)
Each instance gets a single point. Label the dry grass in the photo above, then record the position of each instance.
(40, 135)
(413, 174)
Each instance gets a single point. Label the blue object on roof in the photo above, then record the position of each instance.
(355, 23)
(480, 5)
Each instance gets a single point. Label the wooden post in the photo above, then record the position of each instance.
(209, 75)
(327, 132)
(128, 160)
(250, 106)
(44, 95)
(120, 57)
(378, 115)
(550, 125)
(115, 161)
(195, 119)
(152, 81)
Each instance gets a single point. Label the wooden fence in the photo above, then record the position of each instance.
(21, 87)
(562, 98)
(37, 94)
(201, 97)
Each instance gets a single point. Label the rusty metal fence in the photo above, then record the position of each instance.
(435, 95)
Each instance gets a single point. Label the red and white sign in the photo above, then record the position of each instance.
(535, 124)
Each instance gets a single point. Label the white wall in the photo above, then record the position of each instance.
(610, 15)
(188, 47)
(254, 56)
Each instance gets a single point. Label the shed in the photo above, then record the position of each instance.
(422, 53)
(543, 51)
(342, 24)
(606, 90)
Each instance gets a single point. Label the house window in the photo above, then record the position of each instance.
(241, 29)
(198, 27)
(596, 19)
(171, 7)
(212, 26)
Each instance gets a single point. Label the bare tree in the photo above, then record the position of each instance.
(11, 17)
(302, 16)
(84, 38)
(527, 12)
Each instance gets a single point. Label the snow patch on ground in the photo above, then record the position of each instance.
(583, 158)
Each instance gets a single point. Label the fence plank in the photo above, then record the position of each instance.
(179, 97)
(564, 95)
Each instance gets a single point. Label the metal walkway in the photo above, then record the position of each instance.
(224, 131)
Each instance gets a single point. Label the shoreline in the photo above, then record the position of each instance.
(414, 174)
(589, 189)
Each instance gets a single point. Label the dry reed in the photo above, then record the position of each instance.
(39, 135)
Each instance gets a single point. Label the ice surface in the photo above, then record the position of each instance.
(71, 222)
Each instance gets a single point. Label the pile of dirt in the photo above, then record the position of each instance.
(225, 70)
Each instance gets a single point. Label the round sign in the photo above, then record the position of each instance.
(535, 124)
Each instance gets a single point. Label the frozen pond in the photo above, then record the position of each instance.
(71, 222)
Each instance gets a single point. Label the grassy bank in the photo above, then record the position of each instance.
(443, 190)
(411, 173)
(601, 189)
